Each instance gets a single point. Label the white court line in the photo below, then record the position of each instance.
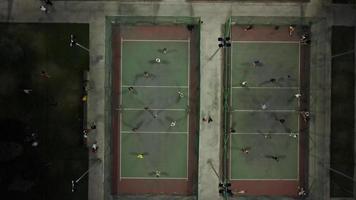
(153, 86)
(237, 110)
(262, 179)
(287, 42)
(126, 40)
(187, 169)
(298, 158)
(154, 132)
(155, 109)
(278, 88)
(230, 158)
(121, 44)
(265, 133)
(150, 178)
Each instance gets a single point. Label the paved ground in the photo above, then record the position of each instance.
(213, 16)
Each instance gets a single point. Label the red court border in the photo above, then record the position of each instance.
(156, 186)
(279, 187)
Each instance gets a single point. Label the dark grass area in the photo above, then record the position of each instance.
(342, 112)
(201, 0)
(345, 1)
(53, 110)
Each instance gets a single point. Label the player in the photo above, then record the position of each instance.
(245, 150)
(210, 119)
(173, 124)
(264, 106)
(248, 27)
(132, 90)
(244, 84)
(256, 63)
(164, 50)
(180, 94)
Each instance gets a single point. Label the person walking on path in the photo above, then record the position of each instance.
(94, 147)
(27, 91)
(44, 74)
(207, 119)
(210, 119)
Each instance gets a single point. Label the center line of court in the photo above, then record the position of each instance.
(154, 86)
(155, 132)
(248, 87)
(158, 109)
(237, 110)
(265, 133)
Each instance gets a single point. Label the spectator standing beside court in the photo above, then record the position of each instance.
(291, 30)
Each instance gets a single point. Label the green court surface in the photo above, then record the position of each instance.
(255, 165)
(148, 111)
(145, 121)
(139, 57)
(278, 61)
(165, 152)
(274, 98)
(265, 122)
(260, 129)
(163, 98)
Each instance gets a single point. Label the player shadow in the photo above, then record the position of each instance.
(168, 51)
(156, 117)
(291, 99)
(142, 77)
(154, 62)
(276, 158)
(261, 102)
(275, 83)
(251, 65)
(158, 173)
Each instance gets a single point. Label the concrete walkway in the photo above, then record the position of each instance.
(213, 16)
